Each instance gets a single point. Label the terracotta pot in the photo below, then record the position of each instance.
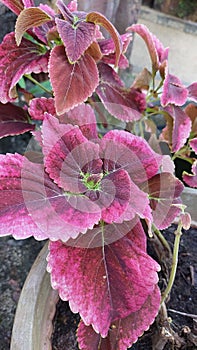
(36, 307)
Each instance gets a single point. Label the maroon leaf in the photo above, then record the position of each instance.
(124, 332)
(40, 105)
(173, 91)
(72, 83)
(42, 32)
(164, 193)
(110, 59)
(106, 283)
(98, 18)
(76, 37)
(181, 126)
(32, 205)
(15, 6)
(107, 47)
(29, 18)
(13, 120)
(125, 104)
(191, 179)
(17, 61)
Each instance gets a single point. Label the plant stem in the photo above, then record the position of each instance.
(161, 238)
(178, 234)
(28, 76)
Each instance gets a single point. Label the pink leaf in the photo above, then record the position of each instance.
(173, 91)
(114, 196)
(117, 155)
(164, 193)
(93, 280)
(72, 83)
(17, 61)
(192, 91)
(132, 153)
(13, 120)
(181, 126)
(191, 179)
(125, 104)
(76, 38)
(83, 116)
(72, 6)
(32, 205)
(193, 144)
(40, 105)
(156, 50)
(124, 332)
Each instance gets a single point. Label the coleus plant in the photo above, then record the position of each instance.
(98, 187)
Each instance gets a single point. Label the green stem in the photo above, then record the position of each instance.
(178, 234)
(28, 76)
(161, 238)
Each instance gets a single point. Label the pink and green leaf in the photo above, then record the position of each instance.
(13, 120)
(68, 154)
(33, 205)
(124, 332)
(126, 104)
(99, 290)
(16, 61)
(72, 83)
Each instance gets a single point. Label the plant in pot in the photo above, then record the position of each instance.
(98, 185)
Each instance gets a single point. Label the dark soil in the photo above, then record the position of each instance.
(16, 258)
(179, 331)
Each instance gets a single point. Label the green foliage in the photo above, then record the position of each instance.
(186, 7)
